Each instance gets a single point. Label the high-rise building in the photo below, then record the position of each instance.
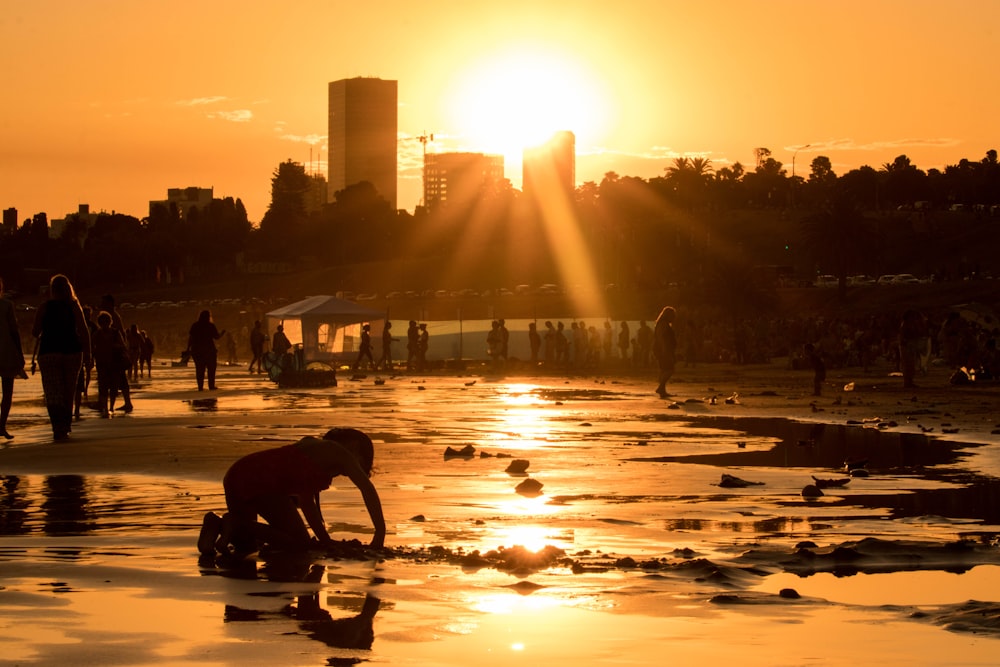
(362, 135)
(459, 179)
(551, 165)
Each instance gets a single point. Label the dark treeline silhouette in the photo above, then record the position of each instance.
(717, 228)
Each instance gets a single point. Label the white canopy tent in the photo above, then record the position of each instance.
(326, 328)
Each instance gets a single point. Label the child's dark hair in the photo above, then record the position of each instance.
(364, 446)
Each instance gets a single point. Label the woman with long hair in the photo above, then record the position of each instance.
(201, 346)
(63, 348)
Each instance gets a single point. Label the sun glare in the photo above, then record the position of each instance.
(520, 99)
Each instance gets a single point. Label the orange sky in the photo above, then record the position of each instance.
(110, 103)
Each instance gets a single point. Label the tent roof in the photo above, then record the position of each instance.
(329, 307)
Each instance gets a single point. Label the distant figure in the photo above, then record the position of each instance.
(276, 484)
(11, 359)
(108, 304)
(201, 346)
(580, 341)
(64, 344)
(504, 339)
(258, 338)
(146, 353)
(133, 341)
(912, 334)
(365, 348)
(534, 342)
(664, 348)
(550, 343)
(624, 341)
(607, 340)
(815, 362)
(385, 362)
(412, 345)
(230, 342)
(423, 342)
(644, 344)
(109, 354)
(493, 343)
(280, 345)
(562, 345)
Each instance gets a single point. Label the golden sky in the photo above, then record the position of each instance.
(111, 102)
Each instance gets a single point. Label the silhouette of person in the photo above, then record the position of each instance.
(257, 340)
(133, 341)
(550, 343)
(11, 359)
(534, 342)
(665, 348)
(280, 346)
(109, 354)
(276, 484)
(504, 339)
(63, 345)
(83, 381)
(624, 341)
(412, 345)
(365, 348)
(607, 340)
(146, 353)
(815, 362)
(385, 362)
(423, 342)
(493, 342)
(108, 304)
(201, 346)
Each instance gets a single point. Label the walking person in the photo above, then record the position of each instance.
(665, 348)
(108, 304)
(201, 346)
(412, 345)
(63, 348)
(365, 348)
(11, 359)
(385, 362)
(110, 354)
(258, 337)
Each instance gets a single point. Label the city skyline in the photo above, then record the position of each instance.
(112, 103)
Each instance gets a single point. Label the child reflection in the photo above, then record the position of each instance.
(349, 632)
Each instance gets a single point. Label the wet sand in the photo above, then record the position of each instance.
(632, 553)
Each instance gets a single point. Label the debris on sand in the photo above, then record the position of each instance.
(830, 483)
(465, 452)
(517, 467)
(732, 482)
(810, 491)
(529, 488)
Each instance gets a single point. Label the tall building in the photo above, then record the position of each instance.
(459, 179)
(551, 165)
(185, 199)
(362, 135)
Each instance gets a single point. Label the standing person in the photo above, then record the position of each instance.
(257, 340)
(133, 341)
(665, 348)
(365, 347)
(493, 343)
(108, 304)
(412, 345)
(534, 342)
(911, 344)
(276, 484)
(815, 361)
(201, 345)
(109, 353)
(423, 342)
(607, 341)
(385, 362)
(624, 340)
(63, 346)
(280, 345)
(11, 359)
(504, 339)
(146, 354)
(550, 343)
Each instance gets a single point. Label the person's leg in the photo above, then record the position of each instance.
(6, 400)
(199, 373)
(285, 527)
(211, 367)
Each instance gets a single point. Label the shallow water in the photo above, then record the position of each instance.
(100, 567)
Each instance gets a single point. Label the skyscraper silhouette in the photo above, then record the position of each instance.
(362, 134)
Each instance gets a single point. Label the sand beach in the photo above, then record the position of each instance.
(634, 552)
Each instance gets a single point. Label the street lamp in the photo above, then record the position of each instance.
(796, 153)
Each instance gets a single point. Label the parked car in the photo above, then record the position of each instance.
(905, 279)
(860, 280)
(886, 279)
(826, 280)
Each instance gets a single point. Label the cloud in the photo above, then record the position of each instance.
(311, 139)
(833, 145)
(235, 116)
(201, 101)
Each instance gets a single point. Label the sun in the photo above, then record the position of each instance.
(520, 98)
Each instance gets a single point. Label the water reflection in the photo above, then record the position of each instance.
(313, 610)
(65, 506)
(14, 506)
